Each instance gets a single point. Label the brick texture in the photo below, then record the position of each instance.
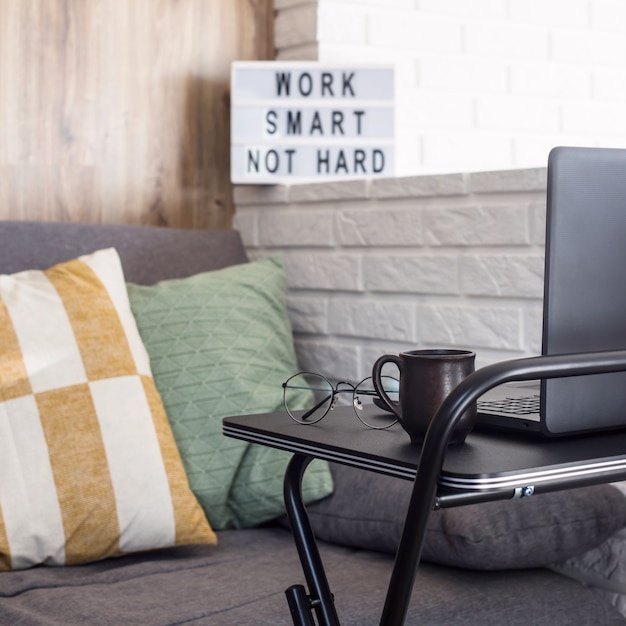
(393, 264)
(480, 84)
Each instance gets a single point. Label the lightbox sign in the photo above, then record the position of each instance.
(304, 121)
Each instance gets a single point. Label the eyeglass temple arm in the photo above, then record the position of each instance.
(317, 406)
(435, 446)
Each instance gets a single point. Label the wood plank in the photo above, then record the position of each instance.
(118, 111)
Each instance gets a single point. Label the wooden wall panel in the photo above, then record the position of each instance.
(118, 110)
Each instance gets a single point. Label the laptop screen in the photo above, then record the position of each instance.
(585, 283)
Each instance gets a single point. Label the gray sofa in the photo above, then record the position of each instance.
(498, 579)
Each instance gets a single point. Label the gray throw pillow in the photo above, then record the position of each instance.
(367, 511)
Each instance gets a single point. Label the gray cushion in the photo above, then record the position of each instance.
(367, 511)
(242, 581)
(148, 253)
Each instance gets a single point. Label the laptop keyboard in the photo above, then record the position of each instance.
(511, 406)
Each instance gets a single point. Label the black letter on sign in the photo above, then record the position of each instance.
(269, 166)
(338, 122)
(323, 160)
(270, 118)
(289, 154)
(359, 115)
(378, 164)
(327, 83)
(294, 123)
(359, 160)
(253, 160)
(304, 92)
(346, 83)
(283, 79)
(341, 162)
(316, 124)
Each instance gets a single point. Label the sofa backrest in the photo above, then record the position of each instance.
(149, 253)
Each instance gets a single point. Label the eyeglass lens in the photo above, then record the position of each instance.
(308, 398)
(367, 410)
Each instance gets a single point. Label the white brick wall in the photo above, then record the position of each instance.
(481, 84)
(393, 264)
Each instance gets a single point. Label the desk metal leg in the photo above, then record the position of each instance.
(435, 446)
(408, 555)
(321, 598)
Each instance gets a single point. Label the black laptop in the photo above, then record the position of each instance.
(584, 306)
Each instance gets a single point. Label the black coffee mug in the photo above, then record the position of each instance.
(426, 379)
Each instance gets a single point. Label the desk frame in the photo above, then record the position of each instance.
(427, 493)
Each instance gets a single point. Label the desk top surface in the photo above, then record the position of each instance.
(486, 461)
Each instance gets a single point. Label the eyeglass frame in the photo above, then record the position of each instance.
(335, 391)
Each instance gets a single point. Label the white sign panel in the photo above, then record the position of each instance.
(299, 121)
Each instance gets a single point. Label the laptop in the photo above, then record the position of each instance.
(584, 305)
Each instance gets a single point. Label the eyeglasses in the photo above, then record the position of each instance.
(309, 397)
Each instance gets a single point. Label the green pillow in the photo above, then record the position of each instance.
(220, 344)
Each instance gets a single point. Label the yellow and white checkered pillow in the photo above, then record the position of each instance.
(88, 464)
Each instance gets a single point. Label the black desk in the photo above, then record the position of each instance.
(488, 466)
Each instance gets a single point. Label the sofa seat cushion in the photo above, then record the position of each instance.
(242, 581)
(88, 464)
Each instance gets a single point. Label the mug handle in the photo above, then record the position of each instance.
(394, 407)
